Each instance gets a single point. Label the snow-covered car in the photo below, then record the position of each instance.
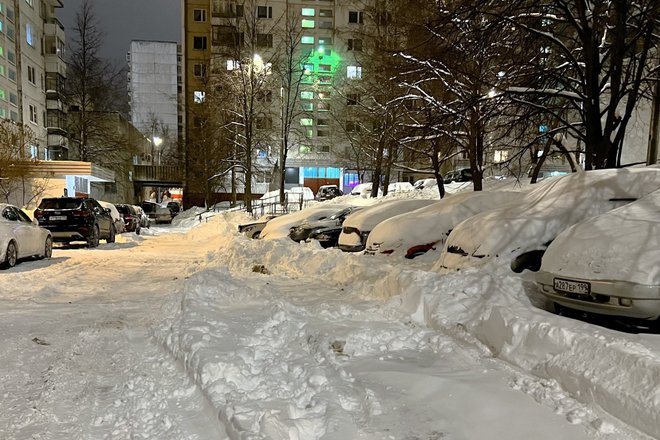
(414, 233)
(609, 264)
(399, 187)
(327, 192)
(281, 226)
(518, 235)
(156, 212)
(356, 228)
(20, 237)
(117, 218)
(364, 190)
(253, 229)
(426, 184)
(303, 231)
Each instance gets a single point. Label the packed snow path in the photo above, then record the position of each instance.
(156, 339)
(78, 360)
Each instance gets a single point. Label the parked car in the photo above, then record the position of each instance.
(145, 222)
(399, 187)
(327, 192)
(131, 218)
(20, 237)
(416, 232)
(303, 231)
(357, 227)
(75, 219)
(253, 229)
(426, 184)
(458, 175)
(174, 208)
(156, 212)
(519, 234)
(281, 226)
(608, 265)
(364, 190)
(117, 218)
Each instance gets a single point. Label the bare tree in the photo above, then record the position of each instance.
(18, 181)
(92, 84)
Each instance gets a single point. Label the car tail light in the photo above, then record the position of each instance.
(38, 213)
(128, 218)
(79, 213)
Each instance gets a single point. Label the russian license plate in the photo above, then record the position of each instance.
(57, 217)
(570, 286)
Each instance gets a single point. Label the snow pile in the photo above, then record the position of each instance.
(261, 385)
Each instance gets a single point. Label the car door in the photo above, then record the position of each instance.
(37, 237)
(19, 230)
(103, 219)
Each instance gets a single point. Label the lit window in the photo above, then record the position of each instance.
(325, 41)
(305, 149)
(308, 12)
(233, 64)
(199, 96)
(354, 72)
(28, 34)
(306, 95)
(323, 106)
(308, 24)
(501, 156)
(3, 112)
(355, 17)
(2, 70)
(307, 39)
(199, 14)
(1, 26)
(308, 68)
(2, 94)
(264, 12)
(306, 122)
(325, 67)
(2, 51)
(324, 94)
(307, 106)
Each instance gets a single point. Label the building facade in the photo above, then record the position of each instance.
(153, 84)
(32, 73)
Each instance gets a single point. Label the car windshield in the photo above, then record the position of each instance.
(341, 214)
(61, 203)
(123, 209)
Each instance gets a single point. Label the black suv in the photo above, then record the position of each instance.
(75, 219)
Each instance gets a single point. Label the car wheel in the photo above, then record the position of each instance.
(529, 260)
(11, 256)
(93, 239)
(137, 231)
(111, 237)
(48, 247)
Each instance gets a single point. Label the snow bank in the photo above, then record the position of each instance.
(493, 308)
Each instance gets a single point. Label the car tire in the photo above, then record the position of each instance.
(48, 248)
(111, 236)
(93, 238)
(11, 256)
(137, 231)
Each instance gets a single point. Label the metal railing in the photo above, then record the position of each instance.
(271, 205)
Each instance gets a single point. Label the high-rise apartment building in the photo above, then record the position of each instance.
(32, 73)
(154, 79)
(323, 35)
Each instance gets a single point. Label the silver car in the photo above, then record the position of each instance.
(609, 264)
(20, 237)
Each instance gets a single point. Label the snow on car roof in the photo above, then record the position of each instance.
(367, 218)
(623, 244)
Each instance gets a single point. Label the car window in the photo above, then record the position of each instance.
(60, 203)
(9, 214)
(23, 216)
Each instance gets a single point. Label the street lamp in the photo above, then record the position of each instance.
(157, 142)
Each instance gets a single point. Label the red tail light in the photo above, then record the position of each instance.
(38, 213)
(79, 213)
(128, 218)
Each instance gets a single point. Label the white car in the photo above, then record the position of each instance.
(117, 219)
(609, 264)
(156, 212)
(518, 235)
(399, 187)
(416, 232)
(364, 190)
(20, 237)
(357, 226)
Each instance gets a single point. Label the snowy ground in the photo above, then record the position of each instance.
(195, 332)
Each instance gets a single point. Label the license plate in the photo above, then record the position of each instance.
(57, 217)
(569, 286)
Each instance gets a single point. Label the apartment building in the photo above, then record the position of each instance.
(153, 84)
(324, 36)
(32, 72)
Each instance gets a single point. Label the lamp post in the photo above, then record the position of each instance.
(157, 141)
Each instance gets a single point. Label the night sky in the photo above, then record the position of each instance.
(126, 20)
